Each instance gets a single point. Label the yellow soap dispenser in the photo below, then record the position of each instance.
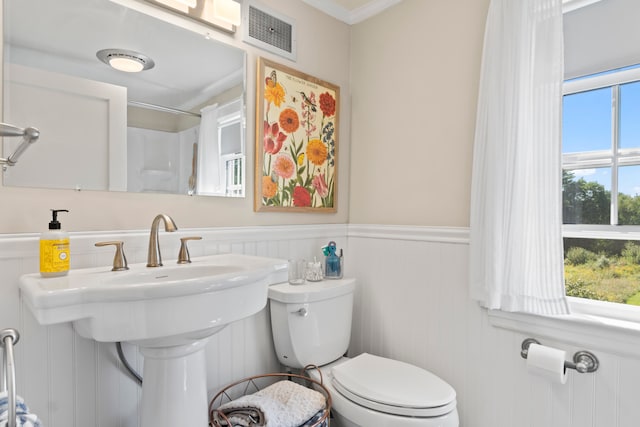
(54, 249)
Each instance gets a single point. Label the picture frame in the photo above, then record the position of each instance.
(296, 167)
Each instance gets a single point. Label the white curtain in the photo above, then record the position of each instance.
(209, 173)
(516, 203)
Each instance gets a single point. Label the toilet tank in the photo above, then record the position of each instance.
(311, 323)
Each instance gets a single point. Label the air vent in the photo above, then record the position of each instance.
(270, 30)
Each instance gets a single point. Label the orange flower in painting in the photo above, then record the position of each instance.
(274, 93)
(316, 152)
(269, 188)
(289, 121)
(284, 166)
(327, 104)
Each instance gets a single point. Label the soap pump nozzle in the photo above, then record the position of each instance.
(54, 224)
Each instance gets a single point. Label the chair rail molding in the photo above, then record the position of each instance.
(458, 235)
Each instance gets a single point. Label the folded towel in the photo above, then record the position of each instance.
(282, 404)
(23, 417)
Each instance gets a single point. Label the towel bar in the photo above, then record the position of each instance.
(8, 338)
(29, 135)
(583, 361)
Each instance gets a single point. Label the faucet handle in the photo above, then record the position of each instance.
(119, 260)
(183, 254)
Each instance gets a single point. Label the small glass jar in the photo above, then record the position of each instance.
(333, 267)
(297, 271)
(314, 271)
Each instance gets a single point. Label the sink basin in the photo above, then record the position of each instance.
(149, 303)
(170, 312)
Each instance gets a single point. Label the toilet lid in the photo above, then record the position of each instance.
(393, 387)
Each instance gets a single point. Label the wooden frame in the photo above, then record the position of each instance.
(296, 141)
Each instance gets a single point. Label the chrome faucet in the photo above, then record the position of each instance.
(154, 258)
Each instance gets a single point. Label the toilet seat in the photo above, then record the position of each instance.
(393, 387)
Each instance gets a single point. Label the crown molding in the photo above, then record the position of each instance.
(354, 16)
(370, 9)
(571, 5)
(330, 8)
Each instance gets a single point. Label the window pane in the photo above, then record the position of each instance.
(606, 270)
(630, 115)
(586, 121)
(586, 196)
(629, 195)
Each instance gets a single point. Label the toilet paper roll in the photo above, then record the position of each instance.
(547, 362)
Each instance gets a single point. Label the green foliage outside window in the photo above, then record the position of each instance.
(611, 274)
(584, 202)
(588, 202)
(600, 269)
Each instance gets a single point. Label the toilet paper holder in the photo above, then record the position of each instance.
(583, 361)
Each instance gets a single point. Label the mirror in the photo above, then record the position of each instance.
(177, 127)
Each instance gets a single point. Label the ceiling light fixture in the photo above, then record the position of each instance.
(125, 60)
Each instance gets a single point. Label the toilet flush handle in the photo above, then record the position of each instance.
(301, 312)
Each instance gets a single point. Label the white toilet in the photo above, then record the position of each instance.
(311, 324)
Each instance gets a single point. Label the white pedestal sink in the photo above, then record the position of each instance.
(170, 312)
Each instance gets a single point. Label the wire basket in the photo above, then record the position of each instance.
(258, 382)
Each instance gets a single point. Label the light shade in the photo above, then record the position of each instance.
(190, 3)
(127, 65)
(227, 10)
(125, 60)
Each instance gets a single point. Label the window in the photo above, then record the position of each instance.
(601, 186)
(230, 135)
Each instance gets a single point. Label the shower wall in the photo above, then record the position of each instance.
(159, 161)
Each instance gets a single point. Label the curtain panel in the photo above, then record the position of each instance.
(516, 202)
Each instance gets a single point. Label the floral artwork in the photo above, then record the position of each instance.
(296, 140)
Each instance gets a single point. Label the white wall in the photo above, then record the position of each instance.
(413, 305)
(98, 135)
(601, 37)
(156, 160)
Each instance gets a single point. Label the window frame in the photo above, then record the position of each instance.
(232, 114)
(613, 158)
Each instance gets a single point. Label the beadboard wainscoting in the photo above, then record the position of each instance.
(413, 305)
(70, 381)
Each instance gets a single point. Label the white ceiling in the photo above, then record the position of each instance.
(352, 11)
(63, 36)
(602, 36)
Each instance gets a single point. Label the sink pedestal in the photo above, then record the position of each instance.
(169, 313)
(174, 386)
